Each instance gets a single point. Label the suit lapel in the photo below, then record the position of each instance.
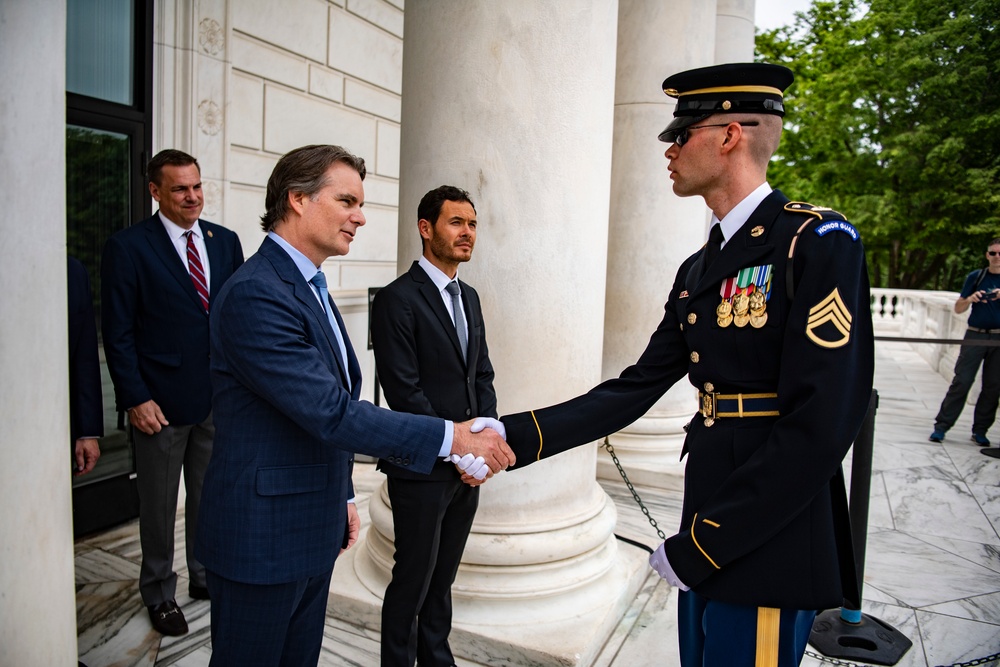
(164, 249)
(353, 370)
(304, 293)
(216, 260)
(431, 294)
(470, 317)
(745, 248)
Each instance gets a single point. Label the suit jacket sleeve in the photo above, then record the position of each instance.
(271, 350)
(484, 367)
(394, 340)
(610, 406)
(85, 394)
(119, 303)
(237, 257)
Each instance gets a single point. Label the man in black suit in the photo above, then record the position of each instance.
(431, 356)
(86, 404)
(158, 281)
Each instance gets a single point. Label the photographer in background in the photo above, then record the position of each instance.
(981, 291)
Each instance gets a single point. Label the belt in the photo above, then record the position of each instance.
(715, 406)
(984, 331)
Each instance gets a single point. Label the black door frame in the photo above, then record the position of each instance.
(113, 500)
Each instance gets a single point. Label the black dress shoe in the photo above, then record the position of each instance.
(168, 619)
(198, 592)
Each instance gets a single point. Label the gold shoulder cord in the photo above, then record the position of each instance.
(538, 457)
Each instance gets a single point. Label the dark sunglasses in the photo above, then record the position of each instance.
(681, 136)
(992, 253)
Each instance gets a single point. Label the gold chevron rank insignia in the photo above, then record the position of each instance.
(829, 323)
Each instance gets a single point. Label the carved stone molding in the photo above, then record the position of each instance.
(213, 199)
(209, 117)
(211, 36)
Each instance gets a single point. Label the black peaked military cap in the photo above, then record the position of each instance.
(729, 88)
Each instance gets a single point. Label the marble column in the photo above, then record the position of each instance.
(734, 31)
(651, 230)
(513, 101)
(37, 607)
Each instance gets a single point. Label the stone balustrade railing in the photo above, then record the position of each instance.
(921, 314)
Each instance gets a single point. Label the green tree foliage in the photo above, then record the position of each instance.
(894, 119)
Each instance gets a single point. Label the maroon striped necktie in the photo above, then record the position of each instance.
(196, 270)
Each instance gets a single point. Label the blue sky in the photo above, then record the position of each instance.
(773, 13)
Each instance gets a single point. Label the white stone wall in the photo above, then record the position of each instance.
(238, 83)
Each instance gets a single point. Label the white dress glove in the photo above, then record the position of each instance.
(479, 423)
(471, 465)
(658, 561)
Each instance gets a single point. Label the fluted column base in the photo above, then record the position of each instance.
(552, 597)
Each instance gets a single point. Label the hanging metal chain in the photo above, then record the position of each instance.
(635, 496)
(990, 659)
(834, 661)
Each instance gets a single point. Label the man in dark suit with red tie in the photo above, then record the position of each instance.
(159, 278)
(277, 507)
(430, 351)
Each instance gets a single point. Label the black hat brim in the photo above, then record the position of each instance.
(679, 123)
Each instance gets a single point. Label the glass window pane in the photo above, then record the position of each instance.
(97, 205)
(99, 49)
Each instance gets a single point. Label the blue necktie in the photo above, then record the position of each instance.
(319, 280)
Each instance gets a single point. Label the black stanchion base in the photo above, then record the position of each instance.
(871, 640)
(993, 452)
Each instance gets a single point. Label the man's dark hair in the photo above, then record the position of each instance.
(302, 170)
(430, 206)
(995, 241)
(172, 157)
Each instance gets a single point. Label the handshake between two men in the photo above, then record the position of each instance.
(484, 441)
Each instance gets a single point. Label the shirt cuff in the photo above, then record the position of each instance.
(449, 437)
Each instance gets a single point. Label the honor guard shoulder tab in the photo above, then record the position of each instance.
(831, 221)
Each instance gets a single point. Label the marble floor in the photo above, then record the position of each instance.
(932, 568)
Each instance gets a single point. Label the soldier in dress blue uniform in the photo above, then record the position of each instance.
(771, 322)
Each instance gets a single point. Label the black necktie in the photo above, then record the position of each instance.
(461, 328)
(715, 239)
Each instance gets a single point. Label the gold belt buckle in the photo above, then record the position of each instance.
(708, 408)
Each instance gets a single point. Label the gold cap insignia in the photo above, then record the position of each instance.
(756, 231)
(831, 310)
(727, 105)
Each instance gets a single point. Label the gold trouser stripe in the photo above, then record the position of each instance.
(768, 623)
(538, 457)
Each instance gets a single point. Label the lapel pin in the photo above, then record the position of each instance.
(209, 232)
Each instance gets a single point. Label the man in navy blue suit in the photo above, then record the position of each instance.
(277, 502)
(159, 279)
